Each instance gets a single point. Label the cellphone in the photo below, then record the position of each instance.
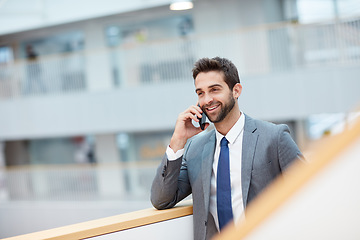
(202, 120)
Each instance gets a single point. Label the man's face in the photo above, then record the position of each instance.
(214, 95)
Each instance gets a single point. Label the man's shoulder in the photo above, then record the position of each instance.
(252, 124)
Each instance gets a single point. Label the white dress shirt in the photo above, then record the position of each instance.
(235, 138)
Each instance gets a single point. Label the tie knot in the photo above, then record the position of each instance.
(224, 142)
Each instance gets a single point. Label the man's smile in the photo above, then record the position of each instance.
(212, 108)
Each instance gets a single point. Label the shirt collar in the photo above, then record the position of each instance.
(234, 132)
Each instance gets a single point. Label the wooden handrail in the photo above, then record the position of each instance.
(297, 176)
(110, 224)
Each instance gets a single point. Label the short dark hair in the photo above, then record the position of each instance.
(218, 64)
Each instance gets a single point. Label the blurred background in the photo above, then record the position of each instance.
(90, 91)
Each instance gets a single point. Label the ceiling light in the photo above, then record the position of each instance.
(181, 5)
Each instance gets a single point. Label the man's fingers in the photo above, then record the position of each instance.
(195, 110)
(190, 116)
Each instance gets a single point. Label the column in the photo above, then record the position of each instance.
(109, 173)
(98, 67)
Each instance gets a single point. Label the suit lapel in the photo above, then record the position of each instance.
(206, 167)
(248, 150)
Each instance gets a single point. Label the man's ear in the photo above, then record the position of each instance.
(237, 90)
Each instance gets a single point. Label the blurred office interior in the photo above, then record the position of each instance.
(86, 117)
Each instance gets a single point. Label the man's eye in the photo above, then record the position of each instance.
(200, 93)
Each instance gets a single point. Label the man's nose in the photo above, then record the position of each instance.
(208, 99)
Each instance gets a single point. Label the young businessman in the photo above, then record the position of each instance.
(224, 168)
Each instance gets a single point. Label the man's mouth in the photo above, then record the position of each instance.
(212, 108)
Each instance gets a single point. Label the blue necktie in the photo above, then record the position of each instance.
(223, 186)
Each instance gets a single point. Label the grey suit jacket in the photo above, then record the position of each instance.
(267, 150)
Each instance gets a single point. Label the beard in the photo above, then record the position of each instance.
(224, 111)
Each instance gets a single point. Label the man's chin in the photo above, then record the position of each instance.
(213, 119)
(209, 117)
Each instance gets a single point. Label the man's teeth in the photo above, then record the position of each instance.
(212, 108)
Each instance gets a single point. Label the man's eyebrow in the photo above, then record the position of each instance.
(211, 86)
(215, 85)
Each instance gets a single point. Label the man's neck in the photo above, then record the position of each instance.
(229, 121)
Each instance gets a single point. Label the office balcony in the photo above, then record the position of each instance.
(288, 72)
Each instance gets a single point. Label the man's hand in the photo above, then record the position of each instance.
(184, 129)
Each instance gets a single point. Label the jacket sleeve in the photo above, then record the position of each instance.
(288, 151)
(171, 183)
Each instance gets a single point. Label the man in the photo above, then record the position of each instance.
(223, 174)
(34, 78)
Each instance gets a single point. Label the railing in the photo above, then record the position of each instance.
(120, 182)
(148, 223)
(54, 74)
(255, 50)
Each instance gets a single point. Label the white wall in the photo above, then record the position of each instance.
(182, 227)
(215, 16)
